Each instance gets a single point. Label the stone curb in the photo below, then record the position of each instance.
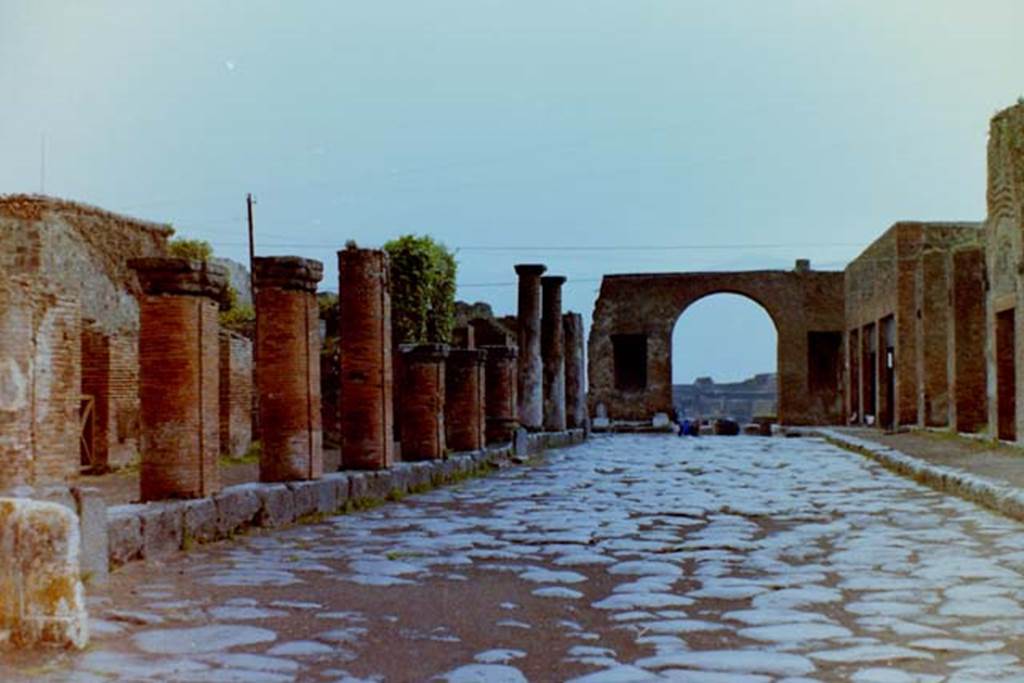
(161, 529)
(991, 493)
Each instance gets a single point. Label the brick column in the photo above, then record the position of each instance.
(968, 405)
(366, 419)
(552, 349)
(575, 394)
(530, 383)
(179, 376)
(465, 399)
(422, 402)
(288, 376)
(500, 393)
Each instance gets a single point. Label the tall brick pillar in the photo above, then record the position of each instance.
(288, 354)
(179, 379)
(465, 399)
(422, 402)
(530, 383)
(575, 371)
(968, 405)
(500, 393)
(552, 349)
(366, 418)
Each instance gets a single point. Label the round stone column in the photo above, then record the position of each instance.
(575, 394)
(288, 372)
(552, 341)
(179, 354)
(366, 412)
(530, 382)
(422, 402)
(465, 399)
(500, 403)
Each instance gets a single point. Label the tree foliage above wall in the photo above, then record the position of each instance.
(422, 290)
(197, 250)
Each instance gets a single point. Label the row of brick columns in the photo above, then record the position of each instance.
(551, 380)
(453, 399)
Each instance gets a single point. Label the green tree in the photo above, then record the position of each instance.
(422, 290)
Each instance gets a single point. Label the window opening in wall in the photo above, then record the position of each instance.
(630, 358)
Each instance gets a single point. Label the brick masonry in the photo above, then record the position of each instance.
(530, 387)
(465, 399)
(552, 351)
(422, 402)
(643, 309)
(366, 411)
(40, 376)
(500, 377)
(288, 354)
(575, 371)
(179, 351)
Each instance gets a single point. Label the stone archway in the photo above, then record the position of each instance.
(630, 347)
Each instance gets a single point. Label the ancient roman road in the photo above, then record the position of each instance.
(630, 558)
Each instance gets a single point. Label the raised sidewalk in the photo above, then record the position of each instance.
(981, 471)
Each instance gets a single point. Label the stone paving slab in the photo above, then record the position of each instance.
(157, 530)
(962, 479)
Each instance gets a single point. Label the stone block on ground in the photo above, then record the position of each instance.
(521, 442)
(277, 505)
(339, 481)
(752, 429)
(359, 486)
(200, 520)
(401, 477)
(660, 420)
(237, 508)
(304, 496)
(42, 601)
(92, 518)
(380, 484)
(325, 496)
(163, 529)
(124, 533)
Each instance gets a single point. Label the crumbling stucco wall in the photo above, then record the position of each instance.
(635, 315)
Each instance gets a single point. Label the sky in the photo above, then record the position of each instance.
(594, 136)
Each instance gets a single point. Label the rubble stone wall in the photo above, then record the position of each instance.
(236, 394)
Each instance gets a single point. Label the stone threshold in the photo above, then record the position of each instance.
(991, 493)
(160, 529)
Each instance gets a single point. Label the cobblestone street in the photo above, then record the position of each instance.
(630, 558)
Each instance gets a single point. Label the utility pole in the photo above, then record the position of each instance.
(252, 250)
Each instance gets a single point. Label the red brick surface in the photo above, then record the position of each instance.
(422, 402)
(465, 399)
(575, 371)
(500, 389)
(366, 418)
(179, 387)
(40, 378)
(968, 407)
(288, 353)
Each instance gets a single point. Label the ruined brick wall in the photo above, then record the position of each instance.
(85, 250)
(889, 284)
(236, 389)
(968, 405)
(40, 379)
(1004, 255)
(644, 309)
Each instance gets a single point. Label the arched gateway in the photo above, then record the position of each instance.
(630, 347)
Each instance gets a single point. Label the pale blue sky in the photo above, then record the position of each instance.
(519, 125)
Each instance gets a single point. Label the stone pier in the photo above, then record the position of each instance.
(500, 390)
(552, 341)
(530, 382)
(968, 407)
(179, 381)
(288, 354)
(465, 399)
(366, 417)
(575, 371)
(422, 402)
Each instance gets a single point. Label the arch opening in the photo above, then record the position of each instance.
(724, 359)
